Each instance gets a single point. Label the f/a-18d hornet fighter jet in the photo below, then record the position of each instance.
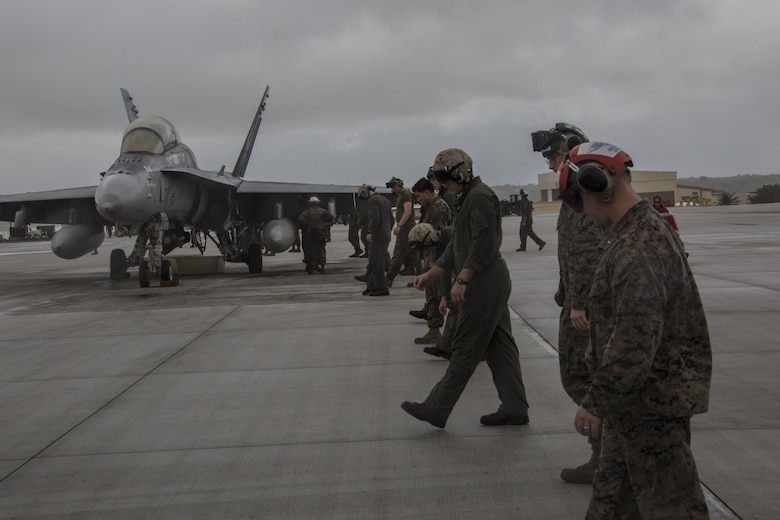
(156, 192)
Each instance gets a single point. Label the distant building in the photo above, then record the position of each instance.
(647, 183)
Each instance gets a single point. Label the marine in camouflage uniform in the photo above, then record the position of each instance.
(578, 239)
(482, 289)
(315, 223)
(435, 212)
(434, 244)
(650, 354)
(650, 373)
(442, 191)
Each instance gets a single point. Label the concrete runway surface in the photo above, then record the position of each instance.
(278, 395)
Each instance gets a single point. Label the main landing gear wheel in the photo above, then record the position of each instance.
(118, 265)
(255, 258)
(143, 273)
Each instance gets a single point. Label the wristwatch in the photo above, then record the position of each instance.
(461, 281)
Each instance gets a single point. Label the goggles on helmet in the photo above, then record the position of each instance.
(445, 174)
(562, 138)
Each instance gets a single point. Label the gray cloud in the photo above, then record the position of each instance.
(363, 91)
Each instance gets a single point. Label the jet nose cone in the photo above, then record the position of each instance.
(110, 206)
(121, 198)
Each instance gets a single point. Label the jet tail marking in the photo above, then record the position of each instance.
(246, 151)
(132, 112)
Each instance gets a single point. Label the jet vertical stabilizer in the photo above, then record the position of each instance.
(246, 151)
(132, 112)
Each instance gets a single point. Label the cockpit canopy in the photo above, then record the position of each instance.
(149, 134)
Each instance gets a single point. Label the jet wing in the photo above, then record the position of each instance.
(261, 201)
(294, 187)
(205, 177)
(66, 206)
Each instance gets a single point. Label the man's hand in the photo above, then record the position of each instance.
(458, 294)
(443, 306)
(587, 424)
(396, 230)
(579, 320)
(421, 281)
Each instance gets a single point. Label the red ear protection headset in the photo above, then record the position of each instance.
(596, 178)
(592, 167)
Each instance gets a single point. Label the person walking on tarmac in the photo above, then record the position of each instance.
(404, 218)
(434, 211)
(578, 254)
(481, 290)
(379, 223)
(432, 243)
(650, 354)
(353, 234)
(315, 223)
(527, 223)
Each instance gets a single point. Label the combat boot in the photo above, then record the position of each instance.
(432, 337)
(582, 474)
(422, 314)
(389, 280)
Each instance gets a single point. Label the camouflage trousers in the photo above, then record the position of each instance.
(575, 376)
(572, 346)
(646, 471)
(432, 294)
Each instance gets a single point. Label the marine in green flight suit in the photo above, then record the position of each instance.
(481, 292)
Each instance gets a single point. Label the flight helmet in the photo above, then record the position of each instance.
(453, 164)
(422, 235)
(562, 138)
(394, 181)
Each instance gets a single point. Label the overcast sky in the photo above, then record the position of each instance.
(365, 90)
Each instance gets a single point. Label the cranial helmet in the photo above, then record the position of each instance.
(453, 164)
(592, 167)
(392, 182)
(422, 235)
(363, 191)
(560, 139)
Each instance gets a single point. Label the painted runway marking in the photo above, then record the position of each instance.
(531, 332)
(24, 253)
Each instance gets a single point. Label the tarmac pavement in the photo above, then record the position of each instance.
(278, 395)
